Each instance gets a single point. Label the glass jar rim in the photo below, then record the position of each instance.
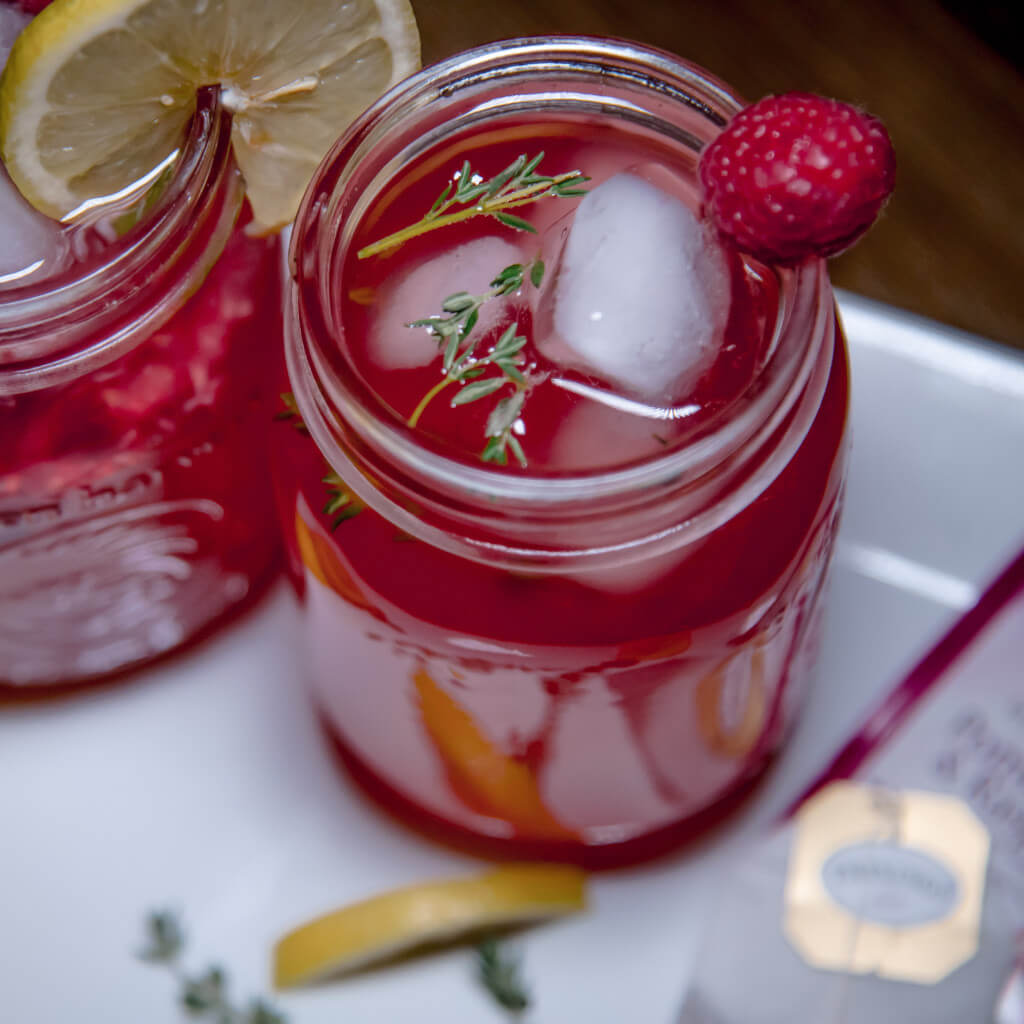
(30, 358)
(321, 393)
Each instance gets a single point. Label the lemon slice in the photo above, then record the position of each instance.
(97, 93)
(403, 919)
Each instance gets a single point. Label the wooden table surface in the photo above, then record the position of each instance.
(951, 243)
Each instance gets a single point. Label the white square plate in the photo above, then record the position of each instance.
(205, 785)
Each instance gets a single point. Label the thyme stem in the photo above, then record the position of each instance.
(427, 398)
(203, 995)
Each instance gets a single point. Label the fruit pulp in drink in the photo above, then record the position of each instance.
(596, 715)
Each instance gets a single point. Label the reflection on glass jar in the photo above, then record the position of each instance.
(134, 387)
(594, 655)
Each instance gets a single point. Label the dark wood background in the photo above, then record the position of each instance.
(951, 243)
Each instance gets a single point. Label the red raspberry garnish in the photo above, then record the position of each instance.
(796, 176)
(31, 6)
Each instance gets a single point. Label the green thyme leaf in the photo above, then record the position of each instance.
(509, 281)
(342, 504)
(465, 180)
(494, 451)
(478, 389)
(502, 178)
(441, 199)
(290, 413)
(504, 414)
(511, 371)
(165, 938)
(202, 996)
(517, 450)
(500, 975)
(470, 322)
(508, 344)
(263, 1013)
(500, 425)
(531, 165)
(451, 350)
(205, 993)
(458, 302)
(515, 222)
(537, 273)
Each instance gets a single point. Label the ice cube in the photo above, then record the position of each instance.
(31, 245)
(594, 435)
(617, 785)
(419, 292)
(640, 294)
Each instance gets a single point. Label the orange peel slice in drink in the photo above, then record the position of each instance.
(739, 738)
(485, 779)
(320, 557)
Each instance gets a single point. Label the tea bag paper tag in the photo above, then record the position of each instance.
(886, 882)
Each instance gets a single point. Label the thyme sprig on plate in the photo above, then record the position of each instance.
(500, 975)
(517, 185)
(465, 366)
(204, 995)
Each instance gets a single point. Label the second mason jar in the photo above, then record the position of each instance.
(134, 389)
(559, 608)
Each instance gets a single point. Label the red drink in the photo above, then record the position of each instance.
(592, 655)
(134, 384)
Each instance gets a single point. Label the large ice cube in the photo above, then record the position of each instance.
(419, 292)
(641, 291)
(31, 245)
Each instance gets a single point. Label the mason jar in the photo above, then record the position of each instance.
(589, 660)
(134, 391)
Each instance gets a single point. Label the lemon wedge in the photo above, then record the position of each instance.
(404, 919)
(97, 93)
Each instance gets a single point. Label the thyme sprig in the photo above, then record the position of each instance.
(341, 503)
(517, 185)
(501, 976)
(203, 995)
(465, 366)
(290, 413)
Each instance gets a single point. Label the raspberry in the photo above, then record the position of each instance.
(797, 176)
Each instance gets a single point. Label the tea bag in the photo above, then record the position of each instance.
(894, 892)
